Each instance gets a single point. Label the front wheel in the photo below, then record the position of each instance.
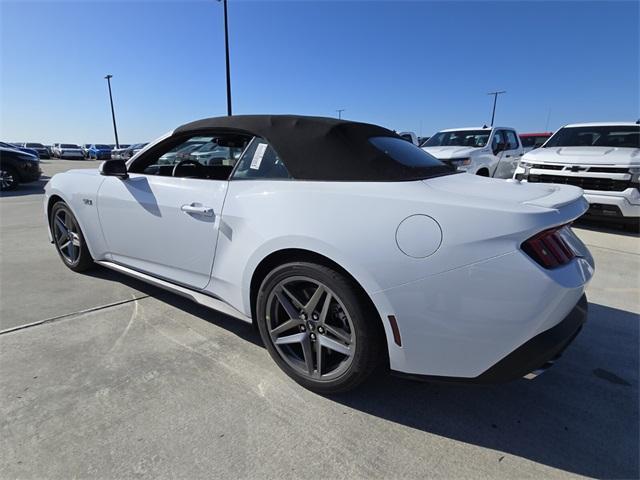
(318, 328)
(68, 239)
(8, 178)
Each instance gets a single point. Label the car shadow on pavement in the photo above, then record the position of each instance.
(33, 188)
(233, 325)
(580, 416)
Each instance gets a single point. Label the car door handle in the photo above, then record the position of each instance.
(197, 209)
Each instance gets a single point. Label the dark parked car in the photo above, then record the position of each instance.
(42, 151)
(17, 167)
(20, 146)
(99, 151)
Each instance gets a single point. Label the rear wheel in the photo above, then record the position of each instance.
(8, 178)
(317, 327)
(68, 239)
(483, 172)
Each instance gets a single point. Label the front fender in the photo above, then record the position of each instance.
(78, 189)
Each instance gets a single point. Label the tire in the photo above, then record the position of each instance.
(302, 307)
(9, 179)
(68, 238)
(483, 172)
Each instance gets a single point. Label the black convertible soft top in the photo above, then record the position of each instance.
(318, 148)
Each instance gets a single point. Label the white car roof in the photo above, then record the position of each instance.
(602, 124)
(488, 129)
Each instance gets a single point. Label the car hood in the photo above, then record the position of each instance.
(505, 194)
(447, 153)
(585, 155)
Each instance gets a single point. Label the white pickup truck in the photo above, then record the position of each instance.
(487, 151)
(601, 158)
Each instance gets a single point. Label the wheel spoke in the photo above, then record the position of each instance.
(325, 308)
(286, 304)
(288, 325)
(308, 354)
(333, 345)
(61, 226)
(318, 359)
(295, 338)
(75, 239)
(297, 303)
(339, 333)
(314, 300)
(68, 221)
(71, 251)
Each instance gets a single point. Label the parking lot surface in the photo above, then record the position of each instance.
(103, 376)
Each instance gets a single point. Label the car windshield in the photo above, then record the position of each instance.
(69, 145)
(603, 136)
(407, 154)
(103, 147)
(34, 145)
(459, 138)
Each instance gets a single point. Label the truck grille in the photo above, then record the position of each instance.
(586, 183)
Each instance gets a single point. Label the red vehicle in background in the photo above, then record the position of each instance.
(531, 141)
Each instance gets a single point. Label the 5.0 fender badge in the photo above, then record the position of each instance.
(87, 201)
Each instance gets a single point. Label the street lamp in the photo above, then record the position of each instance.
(113, 114)
(226, 52)
(495, 99)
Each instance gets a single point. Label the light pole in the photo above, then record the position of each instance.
(340, 110)
(226, 53)
(113, 113)
(495, 100)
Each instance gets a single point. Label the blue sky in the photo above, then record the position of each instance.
(419, 66)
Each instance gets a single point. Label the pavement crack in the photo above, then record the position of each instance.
(68, 315)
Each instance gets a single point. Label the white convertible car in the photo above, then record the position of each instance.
(347, 246)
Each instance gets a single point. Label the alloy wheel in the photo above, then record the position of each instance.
(310, 328)
(66, 235)
(7, 179)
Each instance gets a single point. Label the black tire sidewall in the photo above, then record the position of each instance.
(366, 331)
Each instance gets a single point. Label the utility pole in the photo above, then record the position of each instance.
(340, 110)
(495, 100)
(113, 113)
(226, 53)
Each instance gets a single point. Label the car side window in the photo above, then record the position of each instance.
(260, 161)
(198, 156)
(512, 140)
(498, 138)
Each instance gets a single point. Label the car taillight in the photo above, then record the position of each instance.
(549, 249)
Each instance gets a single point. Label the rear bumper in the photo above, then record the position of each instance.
(529, 357)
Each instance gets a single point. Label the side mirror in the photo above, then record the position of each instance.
(114, 168)
(500, 147)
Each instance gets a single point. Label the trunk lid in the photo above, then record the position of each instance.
(506, 194)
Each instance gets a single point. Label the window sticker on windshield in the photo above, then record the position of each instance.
(257, 156)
